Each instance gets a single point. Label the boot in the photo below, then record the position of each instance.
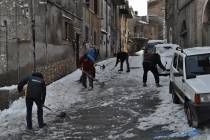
(158, 85)
(144, 84)
(43, 125)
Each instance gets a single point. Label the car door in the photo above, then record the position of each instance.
(187, 89)
(173, 68)
(178, 78)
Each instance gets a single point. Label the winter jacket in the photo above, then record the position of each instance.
(153, 59)
(87, 65)
(91, 54)
(121, 56)
(36, 88)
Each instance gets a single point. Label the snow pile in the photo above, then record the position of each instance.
(167, 113)
(140, 53)
(166, 50)
(60, 95)
(13, 87)
(64, 92)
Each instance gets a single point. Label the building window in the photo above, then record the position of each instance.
(67, 30)
(102, 12)
(86, 34)
(87, 2)
(96, 6)
(95, 38)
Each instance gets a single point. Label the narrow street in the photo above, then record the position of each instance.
(46, 45)
(119, 109)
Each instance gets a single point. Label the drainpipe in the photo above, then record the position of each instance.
(33, 35)
(5, 24)
(106, 28)
(17, 41)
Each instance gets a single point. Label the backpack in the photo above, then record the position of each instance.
(91, 54)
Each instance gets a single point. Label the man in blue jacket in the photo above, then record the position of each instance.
(91, 54)
(36, 92)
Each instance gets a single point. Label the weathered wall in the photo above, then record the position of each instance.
(55, 57)
(190, 13)
(156, 19)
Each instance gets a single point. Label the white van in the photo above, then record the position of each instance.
(190, 83)
(166, 52)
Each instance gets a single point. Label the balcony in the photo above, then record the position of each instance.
(125, 10)
(118, 2)
(137, 35)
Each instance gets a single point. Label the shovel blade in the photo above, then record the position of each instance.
(61, 115)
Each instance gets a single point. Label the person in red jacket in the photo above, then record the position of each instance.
(88, 71)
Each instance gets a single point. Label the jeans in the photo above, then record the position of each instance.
(127, 63)
(84, 80)
(29, 106)
(148, 66)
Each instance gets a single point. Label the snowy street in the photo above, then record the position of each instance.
(121, 108)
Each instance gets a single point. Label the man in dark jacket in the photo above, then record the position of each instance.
(150, 62)
(121, 57)
(35, 92)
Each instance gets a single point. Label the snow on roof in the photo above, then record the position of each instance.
(154, 41)
(167, 44)
(197, 50)
(166, 49)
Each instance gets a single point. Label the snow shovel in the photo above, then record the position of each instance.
(167, 71)
(61, 114)
(112, 68)
(101, 66)
(94, 79)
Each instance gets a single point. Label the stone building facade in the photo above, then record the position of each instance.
(192, 27)
(125, 14)
(91, 23)
(105, 39)
(49, 36)
(53, 51)
(138, 27)
(156, 19)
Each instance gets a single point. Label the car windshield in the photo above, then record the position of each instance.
(198, 64)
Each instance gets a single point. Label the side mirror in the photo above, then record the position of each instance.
(178, 74)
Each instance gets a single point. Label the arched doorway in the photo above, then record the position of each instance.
(183, 35)
(206, 23)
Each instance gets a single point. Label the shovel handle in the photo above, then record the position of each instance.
(47, 108)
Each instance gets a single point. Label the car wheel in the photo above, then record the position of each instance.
(191, 118)
(174, 96)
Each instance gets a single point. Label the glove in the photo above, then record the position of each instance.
(43, 102)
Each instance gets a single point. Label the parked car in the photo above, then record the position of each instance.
(166, 52)
(190, 83)
(151, 44)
